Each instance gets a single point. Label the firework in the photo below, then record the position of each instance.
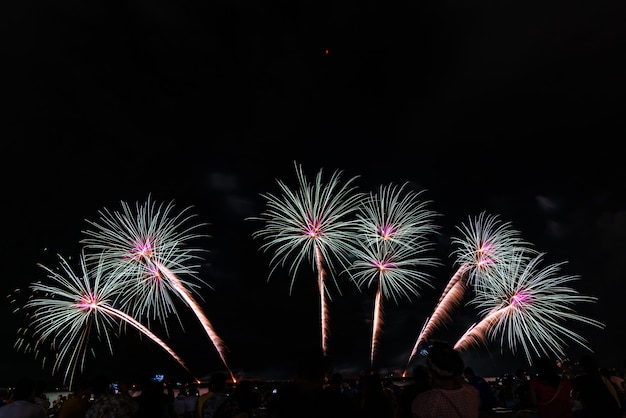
(128, 243)
(528, 306)
(148, 250)
(393, 226)
(485, 242)
(70, 312)
(311, 224)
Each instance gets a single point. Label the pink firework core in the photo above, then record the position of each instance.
(313, 229)
(142, 249)
(153, 274)
(381, 266)
(484, 255)
(484, 261)
(387, 231)
(487, 248)
(520, 298)
(87, 301)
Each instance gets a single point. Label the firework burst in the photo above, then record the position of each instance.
(70, 312)
(484, 242)
(393, 227)
(129, 244)
(528, 306)
(311, 224)
(147, 249)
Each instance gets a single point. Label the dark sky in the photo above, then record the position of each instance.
(515, 108)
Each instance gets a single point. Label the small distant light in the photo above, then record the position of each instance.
(326, 52)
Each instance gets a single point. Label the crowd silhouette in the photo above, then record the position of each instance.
(443, 386)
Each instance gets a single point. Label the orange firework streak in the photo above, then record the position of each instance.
(191, 302)
(478, 332)
(378, 323)
(140, 327)
(321, 284)
(450, 299)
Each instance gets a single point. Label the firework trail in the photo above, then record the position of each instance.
(191, 302)
(528, 305)
(450, 300)
(147, 250)
(69, 310)
(393, 226)
(485, 242)
(311, 224)
(377, 324)
(477, 333)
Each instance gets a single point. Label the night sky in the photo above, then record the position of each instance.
(514, 108)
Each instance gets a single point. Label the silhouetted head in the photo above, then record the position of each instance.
(468, 372)
(588, 363)
(246, 393)
(24, 389)
(100, 385)
(310, 366)
(218, 381)
(546, 369)
(421, 373)
(444, 361)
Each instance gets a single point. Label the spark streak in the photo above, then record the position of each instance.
(197, 310)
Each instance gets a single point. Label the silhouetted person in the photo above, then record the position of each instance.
(22, 405)
(549, 391)
(211, 401)
(179, 404)
(241, 403)
(372, 402)
(40, 394)
(191, 402)
(77, 402)
(153, 401)
(521, 390)
(418, 383)
(592, 391)
(5, 396)
(339, 394)
(123, 389)
(488, 399)
(304, 396)
(450, 395)
(618, 386)
(106, 403)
